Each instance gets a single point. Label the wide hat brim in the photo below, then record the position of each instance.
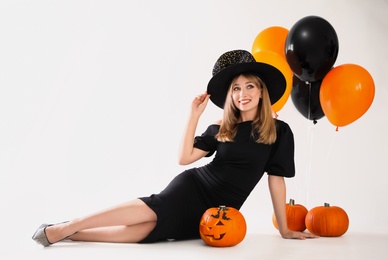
(272, 77)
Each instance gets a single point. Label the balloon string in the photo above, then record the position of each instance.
(329, 152)
(309, 152)
(310, 135)
(326, 160)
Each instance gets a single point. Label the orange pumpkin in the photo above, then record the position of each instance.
(222, 226)
(296, 214)
(327, 221)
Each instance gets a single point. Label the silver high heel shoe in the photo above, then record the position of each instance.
(40, 235)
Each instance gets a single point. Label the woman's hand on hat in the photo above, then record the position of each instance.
(199, 103)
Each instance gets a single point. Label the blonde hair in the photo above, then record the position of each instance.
(263, 129)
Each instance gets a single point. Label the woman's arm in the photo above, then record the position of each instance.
(188, 153)
(277, 188)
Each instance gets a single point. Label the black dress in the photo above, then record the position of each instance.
(227, 180)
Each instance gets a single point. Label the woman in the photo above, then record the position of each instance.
(247, 142)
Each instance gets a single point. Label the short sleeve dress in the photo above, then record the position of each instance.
(227, 180)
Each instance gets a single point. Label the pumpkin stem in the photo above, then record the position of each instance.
(327, 205)
(292, 202)
(222, 207)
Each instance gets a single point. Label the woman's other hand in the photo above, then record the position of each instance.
(289, 234)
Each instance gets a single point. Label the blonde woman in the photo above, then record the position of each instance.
(246, 143)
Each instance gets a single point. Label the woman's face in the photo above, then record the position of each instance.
(245, 94)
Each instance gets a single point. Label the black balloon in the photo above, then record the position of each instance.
(305, 97)
(311, 48)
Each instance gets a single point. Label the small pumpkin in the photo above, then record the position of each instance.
(222, 226)
(296, 214)
(327, 221)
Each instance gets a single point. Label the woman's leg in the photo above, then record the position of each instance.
(128, 222)
(115, 234)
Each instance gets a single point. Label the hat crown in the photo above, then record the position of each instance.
(232, 58)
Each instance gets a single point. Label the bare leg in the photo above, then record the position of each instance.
(115, 234)
(131, 222)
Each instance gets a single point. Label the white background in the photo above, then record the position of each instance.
(94, 96)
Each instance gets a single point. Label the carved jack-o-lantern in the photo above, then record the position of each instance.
(222, 226)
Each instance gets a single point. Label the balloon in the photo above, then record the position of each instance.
(305, 97)
(281, 64)
(271, 39)
(347, 92)
(311, 48)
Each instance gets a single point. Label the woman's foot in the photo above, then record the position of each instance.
(48, 234)
(40, 235)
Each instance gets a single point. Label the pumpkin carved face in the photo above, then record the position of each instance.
(222, 226)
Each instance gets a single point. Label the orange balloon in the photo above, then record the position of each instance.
(271, 39)
(274, 59)
(346, 93)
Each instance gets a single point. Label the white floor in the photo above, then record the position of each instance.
(254, 246)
